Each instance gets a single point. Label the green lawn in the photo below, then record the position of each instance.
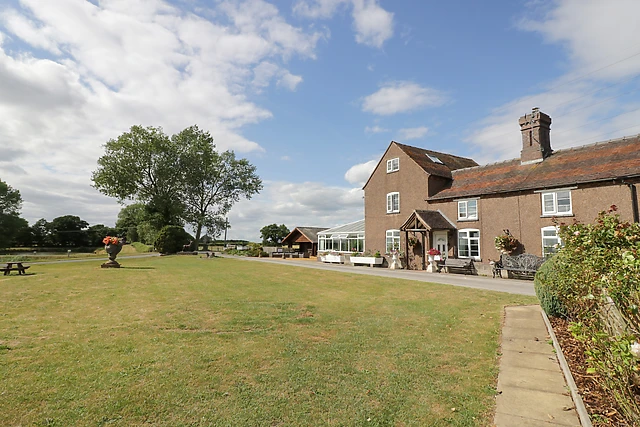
(187, 341)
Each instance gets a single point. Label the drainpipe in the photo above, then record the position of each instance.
(634, 202)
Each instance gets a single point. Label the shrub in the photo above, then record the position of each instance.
(171, 239)
(596, 278)
(141, 247)
(547, 289)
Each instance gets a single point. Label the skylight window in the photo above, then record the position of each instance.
(435, 159)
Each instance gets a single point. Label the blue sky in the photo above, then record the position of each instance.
(310, 91)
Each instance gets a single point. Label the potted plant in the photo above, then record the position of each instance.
(432, 253)
(506, 243)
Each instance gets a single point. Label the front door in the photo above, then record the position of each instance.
(441, 242)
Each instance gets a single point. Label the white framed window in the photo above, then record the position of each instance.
(393, 202)
(469, 243)
(393, 240)
(467, 210)
(556, 202)
(550, 240)
(393, 165)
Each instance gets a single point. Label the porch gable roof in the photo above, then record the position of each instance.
(427, 220)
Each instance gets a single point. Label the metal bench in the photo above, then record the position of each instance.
(459, 265)
(518, 266)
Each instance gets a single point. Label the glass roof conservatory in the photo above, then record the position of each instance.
(343, 238)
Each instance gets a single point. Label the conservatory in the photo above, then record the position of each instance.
(343, 238)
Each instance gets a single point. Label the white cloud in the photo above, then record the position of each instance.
(289, 81)
(375, 129)
(285, 158)
(595, 32)
(316, 9)
(413, 133)
(75, 74)
(296, 205)
(402, 97)
(583, 104)
(360, 173)
(372, 24)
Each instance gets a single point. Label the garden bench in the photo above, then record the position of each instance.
(522, 266)
(7, 269)
(457, 265)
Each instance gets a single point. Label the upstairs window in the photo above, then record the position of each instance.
(467, 210)
(556, 203)
(393, 202)
(393, 165)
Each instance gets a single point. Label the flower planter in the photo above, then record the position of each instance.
(112, 246)
(333, 258)
(367, 260)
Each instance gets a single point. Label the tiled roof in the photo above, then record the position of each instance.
(353, 227)
(310, 233)
(450, 162)
(590, 163)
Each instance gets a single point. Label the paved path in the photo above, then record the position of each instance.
(521, 287)
(531, 387)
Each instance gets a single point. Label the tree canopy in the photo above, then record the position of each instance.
(213, 182)
(11, 225)
(178, 179)
(273, 234)
(143, 165)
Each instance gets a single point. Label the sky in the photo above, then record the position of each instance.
(310, 91)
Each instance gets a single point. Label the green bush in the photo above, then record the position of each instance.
(171, 239)
(595, 277)
(141, 247)
(547, 287)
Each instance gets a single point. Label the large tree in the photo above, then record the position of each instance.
(273, 234)
(143, 165)
(213, 181)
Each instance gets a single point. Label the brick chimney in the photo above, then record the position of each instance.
(536, 143)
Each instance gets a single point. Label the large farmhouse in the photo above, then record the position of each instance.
(418, 199)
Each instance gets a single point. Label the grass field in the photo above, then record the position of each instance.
(187, 341)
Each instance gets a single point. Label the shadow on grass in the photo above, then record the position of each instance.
(138, 268)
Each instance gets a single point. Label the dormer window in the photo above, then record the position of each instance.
(434, 159)
(393, 165)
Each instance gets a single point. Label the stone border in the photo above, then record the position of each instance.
(585, 420)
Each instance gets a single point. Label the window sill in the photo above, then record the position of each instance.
(393, 213)
(556, 215)
(468, 219)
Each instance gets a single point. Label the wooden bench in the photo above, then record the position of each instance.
(7, 269)
(458, 265)
(518, 266)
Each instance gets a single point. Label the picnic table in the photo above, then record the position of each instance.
(10, 267)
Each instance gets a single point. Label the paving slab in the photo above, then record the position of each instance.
(531, 387)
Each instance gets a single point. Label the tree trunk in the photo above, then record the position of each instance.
(198, 232)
